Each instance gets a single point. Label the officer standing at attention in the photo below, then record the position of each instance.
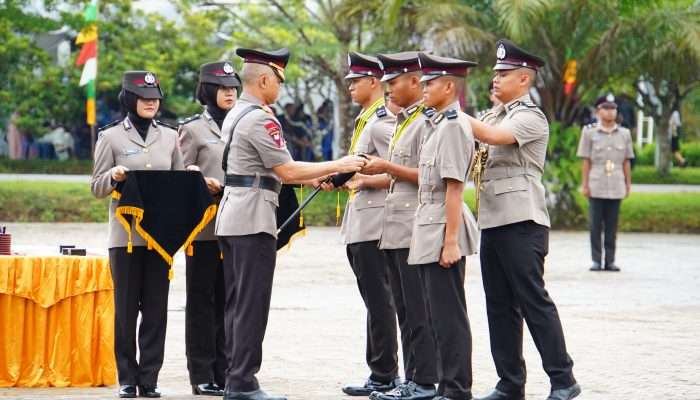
(402, 75)
(255, 161)
(606, 149)
(444, 231)
(202, 145)
(362, 225)
(140, 276)
(515, 231)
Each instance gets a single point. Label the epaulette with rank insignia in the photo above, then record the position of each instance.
(411, 110)
(429, 112)
(165, 125)
(451, 114)
(109, 125)
(381, 112)
(188, 120)
(439, 118)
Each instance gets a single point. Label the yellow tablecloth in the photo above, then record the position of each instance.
(56, 321)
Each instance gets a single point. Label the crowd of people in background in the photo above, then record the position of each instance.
(309, 137)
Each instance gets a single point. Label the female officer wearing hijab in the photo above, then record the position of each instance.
(203, 144)
(140, 276)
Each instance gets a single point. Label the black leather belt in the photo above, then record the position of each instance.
(265, 182)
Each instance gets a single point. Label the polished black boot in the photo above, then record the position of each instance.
(498, 395)
(254, 395)
(371, 386)
(408, 390)
(149, 391)
(127, 391)
(566, 393)
(207, 389)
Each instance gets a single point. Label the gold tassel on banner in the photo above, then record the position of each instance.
(171, 273)
(301, 213)
(129, 247)
(190, 250)
(221, 255)
(337, 209)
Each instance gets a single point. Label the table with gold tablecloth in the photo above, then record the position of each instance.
(56, 321)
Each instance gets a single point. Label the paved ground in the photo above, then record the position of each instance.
(632, 335)
(86, 178)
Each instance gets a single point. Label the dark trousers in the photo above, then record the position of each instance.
(367, 262)
(418, 343)
(140, 285)
(512, 269)
(443, 289)
(204, 315)
(603, 214)
(249, 267)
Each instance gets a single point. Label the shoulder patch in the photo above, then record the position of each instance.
(275, 132)
(451, 114)
(161, 123)
(189, 119)
(429, 112)
(381, 112)
(109, 125)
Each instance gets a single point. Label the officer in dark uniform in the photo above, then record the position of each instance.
(256, 161)
(515, 230)
(606, 150)
(138, 142)
(202, 147)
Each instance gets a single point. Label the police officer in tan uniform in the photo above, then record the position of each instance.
(402, 77)
(606, 149)
(444, 230)
(256, 162)
(515, 231)
(138, 142)
(202, 145)
(362, 225)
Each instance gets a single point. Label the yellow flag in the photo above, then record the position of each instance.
(88, 34)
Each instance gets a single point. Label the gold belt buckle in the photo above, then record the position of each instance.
(609, 167)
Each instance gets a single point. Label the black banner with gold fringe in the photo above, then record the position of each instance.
(167, 208)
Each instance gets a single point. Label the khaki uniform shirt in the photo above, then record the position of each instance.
(257, 146)
(121, 144)
(362, 220)
(202, 145)
(446, 154)
(512, 189)
(608, 152)
(402, 200)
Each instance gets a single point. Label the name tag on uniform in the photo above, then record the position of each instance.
(130, 152)
(213, 141)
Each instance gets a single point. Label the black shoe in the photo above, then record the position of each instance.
(408, 390)
(371, 386)
(498, 395)
(127, 391)
(596, 267)
(566, 393)
(207, 389)
(254, 395)
(612, 268)
(149, 391)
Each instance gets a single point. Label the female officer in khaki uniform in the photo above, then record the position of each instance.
(138, 142)
(202, 145)
(606, 149)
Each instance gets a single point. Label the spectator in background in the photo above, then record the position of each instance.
(674, 127)
(325, 128)
(14, 138)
